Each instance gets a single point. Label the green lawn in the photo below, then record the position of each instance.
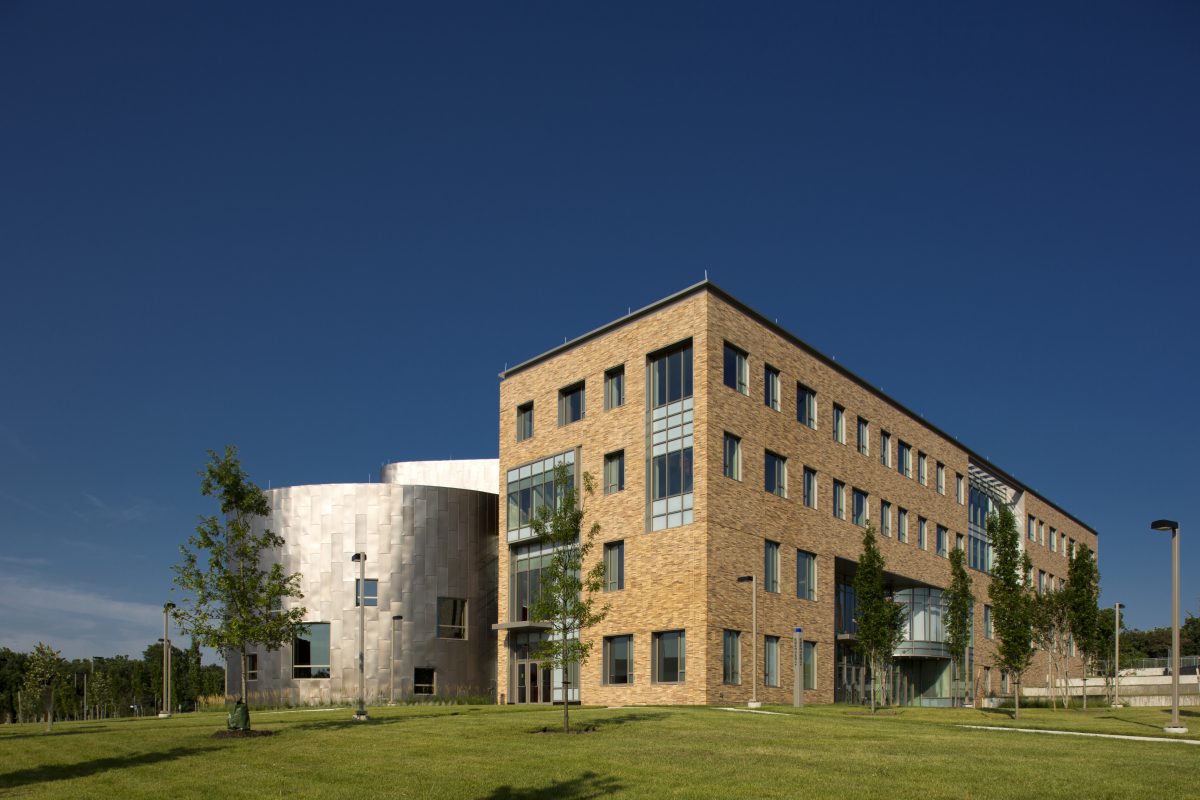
(490, 752)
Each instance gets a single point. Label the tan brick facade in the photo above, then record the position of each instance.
(685, 577)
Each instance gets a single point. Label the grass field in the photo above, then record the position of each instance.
(495, 752)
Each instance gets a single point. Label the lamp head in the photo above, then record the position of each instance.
(745, 579)
(358, 557)
(168, 606)
(1120, 606)
(1164, 525)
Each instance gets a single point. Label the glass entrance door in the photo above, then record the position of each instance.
(533, 682)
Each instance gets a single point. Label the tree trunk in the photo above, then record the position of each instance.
(874, 682)
(245, 698)
(1085, 672)
(1017, 700)
(49, 709)
(566, 711)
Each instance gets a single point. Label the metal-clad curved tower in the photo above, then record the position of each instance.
(430, 536)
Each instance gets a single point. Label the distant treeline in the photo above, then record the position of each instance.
(1156, 642)
(118, 686)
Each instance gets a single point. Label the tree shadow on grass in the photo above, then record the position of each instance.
(83, 769)
(42, 733)
(1132, 721)
(339, 724)
(586, 785)
(999, 712)
(599, 723)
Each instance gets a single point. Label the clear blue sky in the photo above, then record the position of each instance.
(319, 231)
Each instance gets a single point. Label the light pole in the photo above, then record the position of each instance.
(361, 599)
(1117, 655)
(753, 581)
(166, 681)
(1173, 527)
(798, 667)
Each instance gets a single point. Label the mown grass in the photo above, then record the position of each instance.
(493, 752)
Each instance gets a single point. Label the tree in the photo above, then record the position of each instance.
(880, 619)
(1082, 599)
(565, 599)
(1050, 623)
(12, 668)
(1011, 605)
(43, 677)
(234, 603)
(960, 602)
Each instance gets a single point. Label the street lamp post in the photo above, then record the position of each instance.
(1173, 527)
(753, 581)
(166, 681)
(361, 598)
(1117, 656)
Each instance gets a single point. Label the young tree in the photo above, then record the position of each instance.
(880, 619)
(1083, 613)
(1011, 606)
(43, 677)
(1051, 632)
(960, 602)
(565, 599)
(233, 602)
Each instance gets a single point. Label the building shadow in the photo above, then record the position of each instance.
(582, 787)
(43, 734)
(84, 769)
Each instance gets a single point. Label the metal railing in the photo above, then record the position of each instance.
(1185, 662)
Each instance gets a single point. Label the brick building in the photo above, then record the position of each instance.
(725, 447)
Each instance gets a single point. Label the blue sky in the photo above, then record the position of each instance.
(319, 232)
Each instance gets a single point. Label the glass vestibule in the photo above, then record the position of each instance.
(534, 680)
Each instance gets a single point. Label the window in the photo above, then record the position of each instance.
(904, 459)
(570, 404)
(775, 473)
(942, 544)
(735, 369)
(424, 680)
(810, 665)
(958, 489)
(885, 448)
(618, 660)
(806, 575)
(989, 631)
(530, 488)
(958, 541)
(770, 660)
(310, 651)
(525, 422)
(885, 517)
(839, 424)
(614, 566)
(1071, 548)
(1004, 685)
(901, 525)
(806, 406)
(941, 478)
(614, 472)
(370, 597)
(921, 476)
(670, 438)
(1053, 540)
(771, 567)
(771, 387)
(810, 487)
(864, 437)
(733, 457)
(1041, 533)
(614, 388)
(1062, 541)
(839, 499)
(668, 657)
(921, 541)
(452, 618)
(1041, 581)
(862, 513)
(731, 658)
(525, 581)
(252, 666)
(1031, 531)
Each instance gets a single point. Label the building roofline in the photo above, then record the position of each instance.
(766, 322)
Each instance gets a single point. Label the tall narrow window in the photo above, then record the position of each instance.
(806, 406)
(731, 660)
(570, 404)
(251, 667)
(922, 477)
(1053, 540)
(618, 660)
(810, 665)
(861, 508)
(310, 651)
(668, 657)
(775, 473)
(902, 525)
(614, 388)
(885, 517)
(670, 437)
(942, 536)
(904, 459)
(1031, 531)
(525, 421)
(941, 478)
(736, 373)
(614, 566)
(885, 448)
(958, 489)
(988, 629)
(771, 567)
(839, 499)
(806, 575)
(810, 487)
(733, 457)
(452, 618)
(770, 660)
(614, 472)
(370, 597)
(921, 538)
(864, 437)
(839, 424)
(771, 387)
